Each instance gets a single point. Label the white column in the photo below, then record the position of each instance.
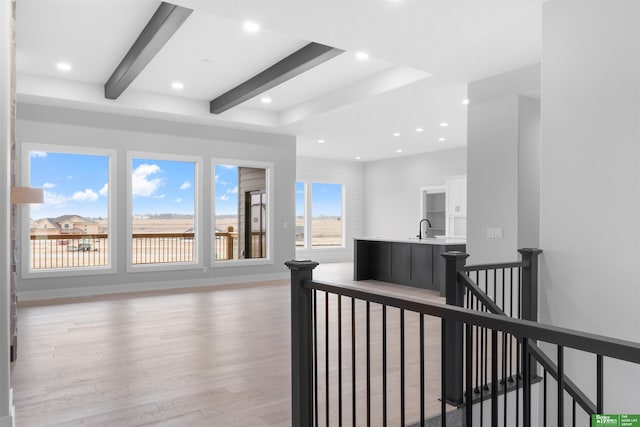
(6, 64)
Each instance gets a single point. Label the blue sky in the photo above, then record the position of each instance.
(162, 186)
(77, 184)
(73, 184)
(226, 185)
(326, 199)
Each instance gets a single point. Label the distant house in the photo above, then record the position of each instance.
(65, 224)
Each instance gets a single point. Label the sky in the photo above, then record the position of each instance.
(72, 183)
(326, 199)
(226, 189)
(78, 184)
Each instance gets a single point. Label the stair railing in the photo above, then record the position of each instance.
(359, 355)
(508, 289)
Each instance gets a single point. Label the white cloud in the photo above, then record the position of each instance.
(86, 195)
(141, 184)
(48, 185)
(234, 190)
(55, 199)
(185, 185)
(34, 154)
(224, 197)
(178, 200)
(104, 191)
(228, 166)
(160, 196)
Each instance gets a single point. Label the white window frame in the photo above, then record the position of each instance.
(269, 177)
(305, 214)
(25, 176)
(197, 221)
(309, 216)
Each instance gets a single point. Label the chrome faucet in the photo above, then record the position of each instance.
(419, 236)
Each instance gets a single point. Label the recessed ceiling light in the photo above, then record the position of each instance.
(444, 124)
(251, 26)
(399, 150)
(396, 134)
(357, 157)
(419, 130)
(362, 56)
(63, 66)
(465, 102)
(321, 141)
(266, 100)
(442, 139)
(177, 86)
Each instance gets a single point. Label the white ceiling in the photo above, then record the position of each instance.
(422, 55)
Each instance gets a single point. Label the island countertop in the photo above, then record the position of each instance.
(441, 241)
(410, 262)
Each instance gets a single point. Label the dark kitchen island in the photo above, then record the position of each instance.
(411, 262)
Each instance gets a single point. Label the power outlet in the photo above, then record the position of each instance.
(494, 232)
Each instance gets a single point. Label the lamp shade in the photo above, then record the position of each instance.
(25, 195)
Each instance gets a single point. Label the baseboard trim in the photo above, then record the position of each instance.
(9, 420)
(35, 295)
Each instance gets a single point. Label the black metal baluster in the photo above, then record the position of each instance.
(402, 405)
(574, 413)
(544, 399)
(384, 365)
(599, 384)
(326, 356)
(422, 370)
(315, 354)
(517, 404)
(443, 384)
(526, 379)
(353, 361)
(511, 315)
(340, 360)
(368, 364)
(560, 386)
(477, 345)
(486, 356)
(494, 378)
(469, 374)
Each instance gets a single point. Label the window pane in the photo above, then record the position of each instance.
(70, 229)
(240, 212)
(326, 209)
(300, 217)
(163, 207)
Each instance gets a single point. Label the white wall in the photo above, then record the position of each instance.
(349, 174)
(6, 65)
(392, 190)
(590, 186)
(494, 128)
(38, 124)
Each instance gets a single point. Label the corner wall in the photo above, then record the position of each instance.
(499, 121)
(41, 124)
(590, 186)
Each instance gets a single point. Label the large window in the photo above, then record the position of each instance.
(242, 211)
(301, 202)
(71, 229)
(327, 226)
(163, 210)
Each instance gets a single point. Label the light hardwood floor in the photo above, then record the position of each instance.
(217, 356)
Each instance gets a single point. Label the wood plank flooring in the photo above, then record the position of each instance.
(217, 356)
